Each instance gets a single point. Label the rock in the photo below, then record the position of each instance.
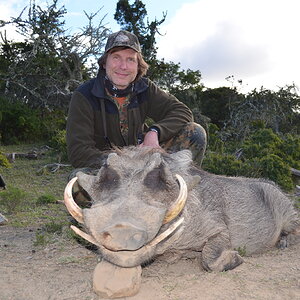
(3, 220)
(111, 281)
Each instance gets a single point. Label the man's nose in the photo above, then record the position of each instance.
(123, 64)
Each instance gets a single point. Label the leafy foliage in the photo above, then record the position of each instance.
(20, 123)
(131, 18)
(4, 161)
(276, 110)
(274, 168)
(12, 199)
(45, 199)
(256, 134)
(222, 164)
(58, 142)
(45, 69)
(167, 75)
(263, 154)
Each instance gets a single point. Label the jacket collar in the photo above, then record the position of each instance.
(98, 89)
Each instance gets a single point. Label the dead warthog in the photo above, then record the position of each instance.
(147, 203)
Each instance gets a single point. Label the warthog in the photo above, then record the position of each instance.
(147, 203)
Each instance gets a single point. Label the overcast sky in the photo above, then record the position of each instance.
(253, 40)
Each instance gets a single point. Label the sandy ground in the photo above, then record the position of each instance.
(64, 270)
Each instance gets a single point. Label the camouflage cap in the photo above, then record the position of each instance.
(123, 38)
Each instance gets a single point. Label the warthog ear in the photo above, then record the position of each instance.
(153, 162)
(160, 178)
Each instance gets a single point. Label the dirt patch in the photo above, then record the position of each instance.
(63, 270)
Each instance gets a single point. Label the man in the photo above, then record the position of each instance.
(111, 110)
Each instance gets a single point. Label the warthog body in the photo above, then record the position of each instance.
(132, 194)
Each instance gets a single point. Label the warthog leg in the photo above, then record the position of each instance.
(217, 256)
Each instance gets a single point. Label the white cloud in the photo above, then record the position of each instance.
(254, 40)
(8, 9)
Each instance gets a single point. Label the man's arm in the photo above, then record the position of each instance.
(81, 146)
(168, 113)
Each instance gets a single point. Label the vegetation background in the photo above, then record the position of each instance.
(255, 134)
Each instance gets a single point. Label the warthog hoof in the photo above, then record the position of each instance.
(228, 260)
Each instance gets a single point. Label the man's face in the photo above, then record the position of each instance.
(122, 67)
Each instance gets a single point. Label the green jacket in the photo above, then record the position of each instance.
(86, 139)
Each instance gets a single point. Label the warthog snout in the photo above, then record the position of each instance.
(123, 236)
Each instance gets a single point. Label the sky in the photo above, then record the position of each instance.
(255, 41)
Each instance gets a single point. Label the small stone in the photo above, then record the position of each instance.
(3, 220)
(111, 281)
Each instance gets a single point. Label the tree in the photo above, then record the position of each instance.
(131, 18)
(217, 104)
(43, 70)
(168, 75)
(279, 111)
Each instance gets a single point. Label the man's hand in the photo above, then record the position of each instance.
(150, 140)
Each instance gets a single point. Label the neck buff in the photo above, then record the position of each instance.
(115, 92)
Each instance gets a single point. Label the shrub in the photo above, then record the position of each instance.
(274, 168)
(270, 167)
(45, 199)
(19, 123)
(4, 161)
(290, 150)
(261, 143)
(58, 142)
(12, 198)
(52, 122)
(214, 141)
(222, 164)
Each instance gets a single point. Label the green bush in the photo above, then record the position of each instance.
(270, 167)
(12, 199)
(21, 124)
(222, 164)
(260, 143)
(4, 161)
(58, 142)
(290, 150)
(274, 168)
(214, 141)
(45, 199)
(52, 122)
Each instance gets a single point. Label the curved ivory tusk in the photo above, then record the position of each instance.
(166, 233)
(179, 204)
(84, 235)
(73, 208)
(153, 243)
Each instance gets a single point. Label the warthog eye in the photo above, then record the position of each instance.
(109, 179)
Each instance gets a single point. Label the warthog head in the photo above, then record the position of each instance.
(137, 200)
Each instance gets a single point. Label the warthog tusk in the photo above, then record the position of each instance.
(73, 208)
(154, 242)
(179, 204)
(166, 233)
(84, 235)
